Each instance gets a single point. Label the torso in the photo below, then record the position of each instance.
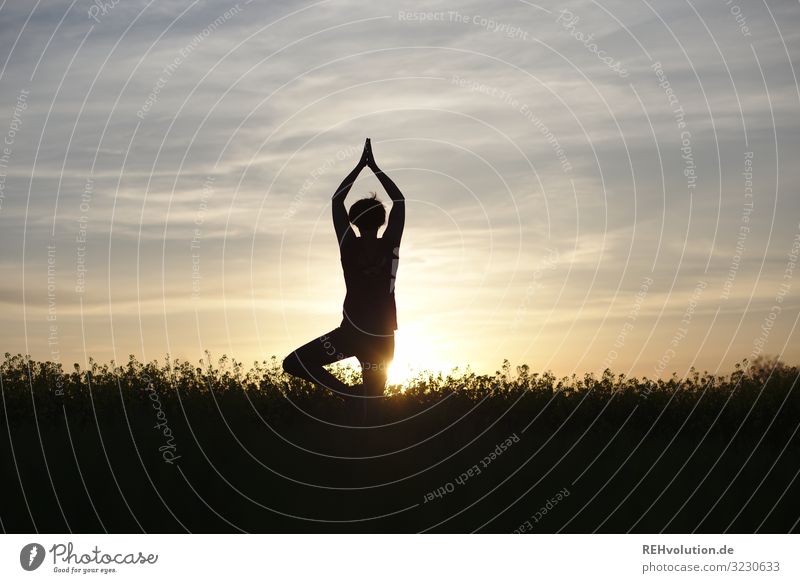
(370, 268)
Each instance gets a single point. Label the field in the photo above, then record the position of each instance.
(173, 446)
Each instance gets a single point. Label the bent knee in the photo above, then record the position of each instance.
(292, 365)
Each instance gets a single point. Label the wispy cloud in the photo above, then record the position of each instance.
(185, 154)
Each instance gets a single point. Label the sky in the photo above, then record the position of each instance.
(589, 185)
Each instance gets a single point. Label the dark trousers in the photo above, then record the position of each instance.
(374, 352)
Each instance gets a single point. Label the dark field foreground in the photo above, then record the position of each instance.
(175, 448)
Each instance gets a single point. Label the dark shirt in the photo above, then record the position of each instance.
(370, 268)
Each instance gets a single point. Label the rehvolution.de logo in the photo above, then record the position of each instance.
(31, 556)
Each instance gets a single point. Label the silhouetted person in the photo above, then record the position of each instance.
(369, 316)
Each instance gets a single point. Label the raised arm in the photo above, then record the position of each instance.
(397, 216)
(340, 222)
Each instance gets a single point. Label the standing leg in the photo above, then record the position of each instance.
(307, 361)
(375, 358)
(374, 375)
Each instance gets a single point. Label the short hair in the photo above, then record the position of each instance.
(367, 213)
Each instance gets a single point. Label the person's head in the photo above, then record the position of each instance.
(368, 214)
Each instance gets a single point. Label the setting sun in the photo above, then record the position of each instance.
(415, 352)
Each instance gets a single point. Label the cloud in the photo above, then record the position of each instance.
(233, 124)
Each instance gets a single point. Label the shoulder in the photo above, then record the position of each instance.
(348, 241)
(391, 240)
(390, 245)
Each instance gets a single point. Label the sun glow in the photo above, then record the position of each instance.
(415, 351)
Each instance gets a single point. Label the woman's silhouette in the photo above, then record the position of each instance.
(369, 262)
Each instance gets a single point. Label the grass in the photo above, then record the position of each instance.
(176, 447)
